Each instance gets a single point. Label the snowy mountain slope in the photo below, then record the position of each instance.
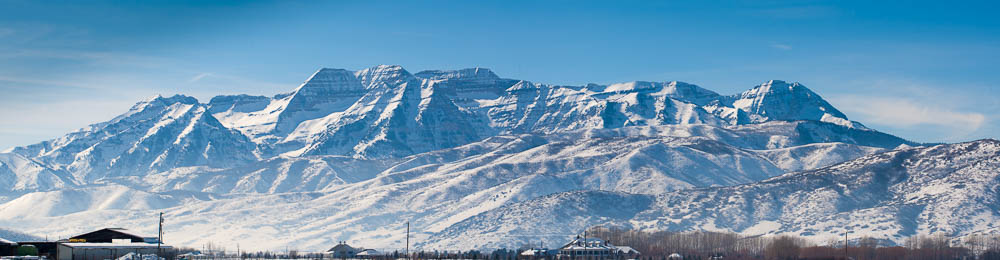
(437, 189)
(267, 120)
(636, 159)
(278, 175)
(156, 134)
(946, 188)
(814, 156)
(68, 201)
(336, 104)
(530, 107)
(348, 154)
(554, 219)
(19, 174)
(11, 235)
(779, 100)
(405, 117)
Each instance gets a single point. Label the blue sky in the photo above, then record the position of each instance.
(926, 71)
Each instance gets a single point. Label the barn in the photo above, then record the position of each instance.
(110, 243)
(109, 235)
(100, 251)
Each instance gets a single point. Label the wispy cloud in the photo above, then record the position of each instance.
(200, 76)
(781, 46)
(905, 112)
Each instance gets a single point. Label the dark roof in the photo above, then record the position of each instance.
(114, 245)
(342, 247)
(109, 234)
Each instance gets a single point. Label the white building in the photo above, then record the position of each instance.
(100, 251)
(342, 250)
(593, 248)
(368, 253)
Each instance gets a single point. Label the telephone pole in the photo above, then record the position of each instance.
(845, 243)
(407, 239)
(159, 237)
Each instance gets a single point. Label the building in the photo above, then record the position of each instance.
(46, 249)
(101, 251)
(109, 243)
(109, 235)
(368, 253)
(342, 250)
(593, 248)
(7, 247)
(538, 253)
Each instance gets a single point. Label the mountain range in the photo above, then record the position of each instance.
(353, 155)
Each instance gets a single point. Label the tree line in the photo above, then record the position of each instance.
(706, 245)
(660, 245)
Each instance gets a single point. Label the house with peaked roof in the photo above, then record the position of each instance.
(342, 250)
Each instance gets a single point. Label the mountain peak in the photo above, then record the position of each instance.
(780, 100)
(777, 86)
(389, 74)
(331, 80)
(161, 100)
(468, 73)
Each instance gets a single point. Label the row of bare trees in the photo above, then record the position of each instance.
(705, 245)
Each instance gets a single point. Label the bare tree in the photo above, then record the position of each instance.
(783, 248)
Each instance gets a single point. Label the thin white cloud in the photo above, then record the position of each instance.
(781, 46)
(907, 112)
(199, 76)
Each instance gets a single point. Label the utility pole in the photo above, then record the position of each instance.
(845, 243)
(407, 239)
(159, 237)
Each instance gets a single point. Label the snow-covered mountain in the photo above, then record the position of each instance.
(951, 189)
(154, 135)
(14, 236)
(349, 154)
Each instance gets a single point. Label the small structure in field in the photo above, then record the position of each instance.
(342, 250)
(584, 248)
(368, 253)
(538, 253)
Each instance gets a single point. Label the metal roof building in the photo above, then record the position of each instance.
(100, 251)
(593, 248)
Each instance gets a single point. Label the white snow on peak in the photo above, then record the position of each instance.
(328, 80)
(383, 75)
(351, 149)
(463, 74)
(780, 100)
